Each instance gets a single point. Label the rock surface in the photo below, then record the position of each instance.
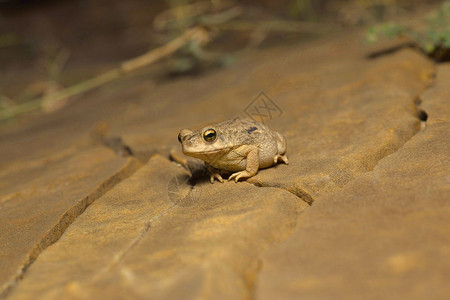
(138, 239)
(386, 234)
(378, 185)
(41, 198)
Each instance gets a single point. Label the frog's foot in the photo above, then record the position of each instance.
(213, 173)
(217, 176)
(238, 175)
(282, 157)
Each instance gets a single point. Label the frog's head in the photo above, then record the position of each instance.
(203, 143)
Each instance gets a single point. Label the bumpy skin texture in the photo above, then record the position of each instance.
(239, 145)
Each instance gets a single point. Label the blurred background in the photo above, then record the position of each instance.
(47, 46)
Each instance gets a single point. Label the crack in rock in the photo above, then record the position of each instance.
(55, 233)
(120, 256)
(421, 113)
(116, 143)
(199, 173)
(302, 194)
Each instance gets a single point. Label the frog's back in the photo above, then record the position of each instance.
(245, 131)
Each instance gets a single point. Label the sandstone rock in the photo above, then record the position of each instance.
(41, 198)
(345, 126)
(339, 119)
(343, 115)
(385, 234)
(137, 241)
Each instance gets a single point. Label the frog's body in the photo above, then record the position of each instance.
(238, 145)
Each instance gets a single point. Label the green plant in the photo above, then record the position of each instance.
(433, 40)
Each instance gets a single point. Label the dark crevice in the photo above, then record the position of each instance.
(303, 195)
(99, 135)
(391, 50)
(440, 54)
(116, 144)
(422, 115)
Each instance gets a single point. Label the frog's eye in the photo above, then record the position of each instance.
(179, 137)
(209, 135)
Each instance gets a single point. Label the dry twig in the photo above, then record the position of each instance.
(197, 34)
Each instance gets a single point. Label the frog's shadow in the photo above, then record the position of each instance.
(200, 176)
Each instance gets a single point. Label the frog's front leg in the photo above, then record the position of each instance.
(213, 173)
(252, 155)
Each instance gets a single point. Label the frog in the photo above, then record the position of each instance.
(239, 146)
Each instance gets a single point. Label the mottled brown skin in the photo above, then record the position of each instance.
(242, 146)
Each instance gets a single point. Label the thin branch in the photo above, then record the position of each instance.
(197, 34)
(284, 26)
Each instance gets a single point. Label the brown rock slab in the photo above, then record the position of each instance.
(333, 99)
(40, 198)
(339, 119)
(353, 116)
(341, 113)
(386, 234)
(140, 241)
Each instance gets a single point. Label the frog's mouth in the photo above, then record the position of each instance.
(206, 152)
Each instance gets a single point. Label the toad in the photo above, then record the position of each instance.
(237, 146)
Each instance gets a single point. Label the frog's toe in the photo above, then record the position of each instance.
(215, 176)
(239, 175)
(282, 157)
